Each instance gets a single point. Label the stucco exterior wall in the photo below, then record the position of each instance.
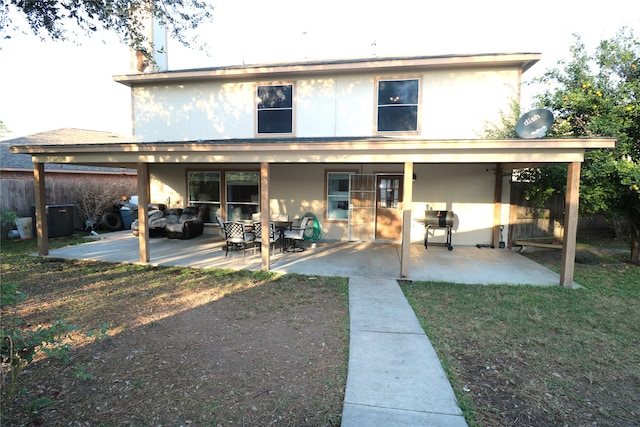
(194, 111)
(456, 104)
(465, 189)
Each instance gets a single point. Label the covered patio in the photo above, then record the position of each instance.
(501, 155)
(464, 264)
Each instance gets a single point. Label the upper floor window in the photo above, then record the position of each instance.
(398, 105)
(275, 109)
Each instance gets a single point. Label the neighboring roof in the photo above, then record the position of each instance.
(523, 61)
(11, 161)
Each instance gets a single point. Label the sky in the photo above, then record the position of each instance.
(46, 85)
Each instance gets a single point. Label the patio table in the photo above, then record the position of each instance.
(283, 225)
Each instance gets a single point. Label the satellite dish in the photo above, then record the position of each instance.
(534, 124)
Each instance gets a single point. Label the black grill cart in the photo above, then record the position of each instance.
(438, 220)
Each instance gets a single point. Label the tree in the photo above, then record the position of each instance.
(506, 127)
(597, 95)
(54, 18)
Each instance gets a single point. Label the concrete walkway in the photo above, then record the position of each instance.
(395, 377)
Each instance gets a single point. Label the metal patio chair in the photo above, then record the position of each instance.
(220, 221)
(274, 235)
(237, 236)
(296, 235)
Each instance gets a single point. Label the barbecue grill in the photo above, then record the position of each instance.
(441, 220)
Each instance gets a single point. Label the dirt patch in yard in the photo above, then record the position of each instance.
(183, 347)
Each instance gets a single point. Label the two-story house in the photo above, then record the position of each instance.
(365, 145)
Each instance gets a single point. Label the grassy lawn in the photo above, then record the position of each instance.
(539, 356)
(175, 346)
(214, 347)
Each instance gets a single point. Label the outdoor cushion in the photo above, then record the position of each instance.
(156, 224)
(186, 225)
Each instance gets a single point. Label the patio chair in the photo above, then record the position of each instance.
(188, 225)
(274, 235)
(156, 221)
(296, 235)
(220, 221)
(237, 236)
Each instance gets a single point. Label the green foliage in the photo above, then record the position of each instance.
(592, 95)
(9, 218)
(597, 95)
(544, 182)
(101, 333)
(19, 345)
(506, 128)
(80, 372)
(38, 404)
(54, 19)
(10, 295)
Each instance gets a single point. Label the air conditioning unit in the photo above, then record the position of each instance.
(59, 220)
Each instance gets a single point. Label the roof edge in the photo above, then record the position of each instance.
(314, 143)
(523, 61)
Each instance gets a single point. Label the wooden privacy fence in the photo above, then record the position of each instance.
(18, 192)
(545, 224)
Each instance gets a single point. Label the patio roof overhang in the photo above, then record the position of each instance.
(320, 150)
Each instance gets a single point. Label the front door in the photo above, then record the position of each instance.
(389, 207)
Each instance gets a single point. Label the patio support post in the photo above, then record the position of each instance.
(264, 215)
(407, 206)
(570, 224)
(497, 206)
(143, 212)
(42, 228)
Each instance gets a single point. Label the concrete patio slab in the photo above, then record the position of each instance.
(464, 264)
